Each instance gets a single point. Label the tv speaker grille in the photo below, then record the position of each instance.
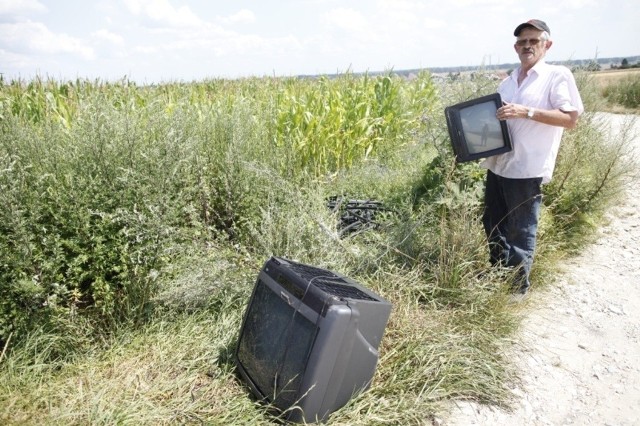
(329, 282)
(341, 290)
(311, 272)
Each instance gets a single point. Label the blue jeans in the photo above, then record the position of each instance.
(510, 218)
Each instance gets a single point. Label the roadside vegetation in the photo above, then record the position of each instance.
(136, 218)
(621, 89)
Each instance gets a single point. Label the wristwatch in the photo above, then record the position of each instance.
(530, 113)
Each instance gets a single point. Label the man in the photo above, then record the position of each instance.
(540, 101)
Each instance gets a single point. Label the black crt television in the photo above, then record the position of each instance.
(474, 129)
(309, 339)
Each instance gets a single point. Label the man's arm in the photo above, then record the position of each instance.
(555, 117)
(552, 117)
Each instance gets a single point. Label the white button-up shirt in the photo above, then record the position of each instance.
(535, 145)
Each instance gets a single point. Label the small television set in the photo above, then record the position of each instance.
(474, 129)
(309, 339)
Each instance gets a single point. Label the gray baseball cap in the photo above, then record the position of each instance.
(535, 23)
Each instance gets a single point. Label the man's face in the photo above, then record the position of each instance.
(530, 47)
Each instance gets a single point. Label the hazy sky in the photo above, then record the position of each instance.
(184, 40)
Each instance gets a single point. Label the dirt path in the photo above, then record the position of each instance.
(580, 352)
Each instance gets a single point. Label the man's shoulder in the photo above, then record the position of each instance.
(509, 79)
(554, 69)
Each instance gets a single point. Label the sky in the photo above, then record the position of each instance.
(152, 41)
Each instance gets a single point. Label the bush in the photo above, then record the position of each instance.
(592, 167)
(625, 92)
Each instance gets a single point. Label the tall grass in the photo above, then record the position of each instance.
(589, 177)
(134, 229)
(625, 92)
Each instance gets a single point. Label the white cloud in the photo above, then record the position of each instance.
(347, 19)
(350, 21)
(433, 24)
(21, 6)
(466, 3)
(404, 18)
(162, 12)
(579, 4)
(406, 9)
(107, 35)
(244, 16)
(212, 42)
(16, 61)
(36, 37)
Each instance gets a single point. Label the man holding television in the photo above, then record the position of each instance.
(540, 100)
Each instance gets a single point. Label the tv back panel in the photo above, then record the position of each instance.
(309, 339)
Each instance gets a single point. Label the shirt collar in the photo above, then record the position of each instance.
(540, 67)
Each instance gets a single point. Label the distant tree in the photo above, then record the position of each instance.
(590, 66)
(624, 63)
(593, 66)
(454, 76)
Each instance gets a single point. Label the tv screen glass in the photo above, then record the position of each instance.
(474, 129)
(279, 339)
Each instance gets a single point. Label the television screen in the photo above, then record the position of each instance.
(309, 339)
(474, 129)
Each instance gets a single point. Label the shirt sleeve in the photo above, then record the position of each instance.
(565, 95)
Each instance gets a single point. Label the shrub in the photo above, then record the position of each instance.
(625, 92)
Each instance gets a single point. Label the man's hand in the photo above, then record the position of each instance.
(508, 111)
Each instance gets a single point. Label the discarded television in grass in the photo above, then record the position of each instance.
(474, 129)
(355, 215)
(309, 339)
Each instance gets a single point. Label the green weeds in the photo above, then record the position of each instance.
(135, 220)
(625, 92)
